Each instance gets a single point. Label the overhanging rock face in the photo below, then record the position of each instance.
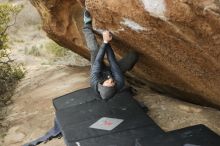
(178, 40)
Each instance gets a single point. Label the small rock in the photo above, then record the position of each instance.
(190, 109)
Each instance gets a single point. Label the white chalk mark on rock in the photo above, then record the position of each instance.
(157, 8)
(118, 30)
(133, 25)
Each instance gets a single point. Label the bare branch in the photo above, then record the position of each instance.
(15, 20)
(1, 44)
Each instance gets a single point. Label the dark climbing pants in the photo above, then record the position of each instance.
(125, 64)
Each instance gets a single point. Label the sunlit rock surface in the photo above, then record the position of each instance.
(178, 40)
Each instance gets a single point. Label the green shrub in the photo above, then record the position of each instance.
(55, 49)
(10, 72)
(9, 77)
(34, 50)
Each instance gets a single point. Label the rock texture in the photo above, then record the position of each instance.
(178, 40)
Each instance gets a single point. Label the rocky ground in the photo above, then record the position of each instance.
(171, 114)
(31, 112)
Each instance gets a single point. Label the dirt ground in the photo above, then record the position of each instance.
(31, 112)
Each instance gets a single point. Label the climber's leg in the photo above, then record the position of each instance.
(90, 36)
(128, 61)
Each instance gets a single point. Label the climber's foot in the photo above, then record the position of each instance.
(87, 17)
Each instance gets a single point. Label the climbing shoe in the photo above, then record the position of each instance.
(87, 17)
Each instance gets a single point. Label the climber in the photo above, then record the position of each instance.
(106, 80)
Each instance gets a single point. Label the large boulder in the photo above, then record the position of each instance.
(178, 40)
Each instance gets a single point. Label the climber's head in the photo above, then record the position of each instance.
(107, 89)
(109, 82)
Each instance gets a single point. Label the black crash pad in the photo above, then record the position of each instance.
(125, 138)
(74, 98)
(198, 135)
(82, 131)
(120, 104)
(75, 118)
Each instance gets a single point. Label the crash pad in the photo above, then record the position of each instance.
(125, 138)
(76, 117)
(74, 98)
(198, 135)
